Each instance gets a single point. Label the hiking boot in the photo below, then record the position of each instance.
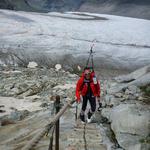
(88, 120)
(89, 117)
(82, 117)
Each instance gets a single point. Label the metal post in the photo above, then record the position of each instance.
(57, 105)
(51, 139)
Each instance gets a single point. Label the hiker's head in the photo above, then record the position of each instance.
(87, 73)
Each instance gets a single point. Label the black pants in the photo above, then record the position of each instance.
(92, 101)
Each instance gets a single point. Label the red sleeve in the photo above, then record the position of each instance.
(78, 89)
(98, 89)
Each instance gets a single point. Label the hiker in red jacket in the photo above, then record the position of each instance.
(87, 89)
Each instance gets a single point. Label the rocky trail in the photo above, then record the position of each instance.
(41, 58)
(79, 136)
(30, 108)
(27, 105)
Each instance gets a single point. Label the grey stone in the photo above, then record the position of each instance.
(44, 105)
(106, 113)
(110, 100)
(134, 75)
(32, 65)
(130, 122)
(133, 89)
(127, 92)
(118, 95)
(19, 115)
(141, 81)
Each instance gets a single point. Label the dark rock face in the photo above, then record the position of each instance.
(5, 5)
(42, 5)
(131, 8)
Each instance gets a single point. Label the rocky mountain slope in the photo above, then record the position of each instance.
(27, 98)
(131, 8)
(126, 111)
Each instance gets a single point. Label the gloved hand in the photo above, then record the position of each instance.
(78, 102)
(99, 107)
(98, 99)
(75, 104)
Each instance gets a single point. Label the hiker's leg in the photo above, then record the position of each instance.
(92, 101)
(84, 105)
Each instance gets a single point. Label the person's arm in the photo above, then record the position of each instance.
(98, 90)
(99, 94)
(78, 90)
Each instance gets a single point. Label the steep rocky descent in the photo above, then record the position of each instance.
(127, 109)
(23, 123)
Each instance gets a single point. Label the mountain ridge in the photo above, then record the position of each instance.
(129, 8)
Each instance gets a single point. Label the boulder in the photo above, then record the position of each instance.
(140, 146)
(32, 65)
(106, 113)
(127, 92)
(130, 123)
(58, 67)
(132, 142)
(110, 100)
(134, 89)
(6, 122)
(134, 75)
(141, 81)
(18, 115)
(44, 105)
(118, 95)
(33, 89)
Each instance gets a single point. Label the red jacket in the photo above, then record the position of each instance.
(81, 88)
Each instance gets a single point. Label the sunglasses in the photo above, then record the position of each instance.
(87, 73)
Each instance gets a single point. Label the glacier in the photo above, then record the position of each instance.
(121, 42)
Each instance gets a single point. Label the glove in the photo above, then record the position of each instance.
(78, 103)
(98, 99)
(75, 104)
(99, 107)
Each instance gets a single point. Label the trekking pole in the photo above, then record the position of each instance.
(91, 56)
(76, 115)
(92, 45)
(92, 62)
(99, 107)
